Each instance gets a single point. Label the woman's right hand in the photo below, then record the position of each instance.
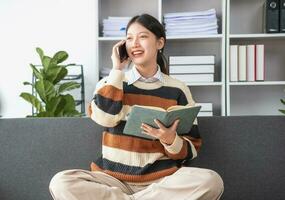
(117, 64)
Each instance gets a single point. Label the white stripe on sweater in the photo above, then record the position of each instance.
(194, 152)
(131, 158)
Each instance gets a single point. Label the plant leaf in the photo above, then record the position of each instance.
(60, 107)
(52, 104)
(69, 108)
(282, 101)
(36, 72)
(282, 111)
(73, 113)
(45, 89)
(68, 86)
(59, 57)
(62, 73)
(45, 114)
(46, 62)
(40, 52)
(27, 83)
(52, 72)
(69, 102)
(33, 100)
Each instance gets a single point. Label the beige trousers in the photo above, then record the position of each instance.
(187, 183)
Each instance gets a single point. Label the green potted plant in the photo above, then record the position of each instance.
(281, 110)
(54, 100)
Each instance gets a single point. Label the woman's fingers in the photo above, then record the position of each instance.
(149, 130)
(175, 125)
(116, 57)
(146, 127)
(116, 46)
(159, 124)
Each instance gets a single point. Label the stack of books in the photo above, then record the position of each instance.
(247, 63)
(115, 26)
(206, 109)
(191, 69)
(191, 23)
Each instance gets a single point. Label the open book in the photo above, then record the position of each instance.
(147, 114)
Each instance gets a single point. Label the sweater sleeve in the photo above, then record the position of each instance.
(185, 147)
(106, 107)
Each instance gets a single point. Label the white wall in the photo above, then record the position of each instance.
(53, 25)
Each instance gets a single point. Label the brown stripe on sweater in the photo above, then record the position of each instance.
(132, 144)
(136, 178)
(197, 142)
(148, 100)
(111, 92)
(181, 155)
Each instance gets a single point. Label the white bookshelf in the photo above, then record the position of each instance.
(213, 92)
(245, 26)
(262, 36)
(258, 83)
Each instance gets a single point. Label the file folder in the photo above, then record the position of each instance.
(272, 16)
(282, 16)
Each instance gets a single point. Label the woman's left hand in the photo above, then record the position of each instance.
(165, 135)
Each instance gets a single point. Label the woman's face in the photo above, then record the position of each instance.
(142, 45)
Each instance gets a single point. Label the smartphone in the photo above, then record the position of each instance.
(123, 52)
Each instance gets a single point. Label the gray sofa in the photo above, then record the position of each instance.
(248, 152)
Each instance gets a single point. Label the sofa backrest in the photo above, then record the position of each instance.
(246, 151)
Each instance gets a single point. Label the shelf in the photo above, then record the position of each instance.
(182, 37)
(110, 38)
(195, 37)
(73, 77)
(258, 36)
(258, 83)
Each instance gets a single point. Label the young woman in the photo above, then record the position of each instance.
(133, 167)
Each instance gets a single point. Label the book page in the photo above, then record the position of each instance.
(151, 108)
(177, 107)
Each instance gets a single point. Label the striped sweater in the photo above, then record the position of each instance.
(130, 158)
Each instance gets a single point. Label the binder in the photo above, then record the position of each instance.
(250, 62)
(282, 16)
(233, 63)
(260, 64)
(242, 62)
(272, 16)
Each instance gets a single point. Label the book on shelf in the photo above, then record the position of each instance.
(271, 16)
(247, 63)
(260, 65)
(190, 78)
(242, 62)
(282, 16)
(147, 114)
(200, 69)
(233, 63)
(191, 23)
(250, 62)
(191, 60)
(115, 26)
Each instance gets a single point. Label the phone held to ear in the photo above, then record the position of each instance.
(123, 52)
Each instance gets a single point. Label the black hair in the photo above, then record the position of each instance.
(154, 26)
